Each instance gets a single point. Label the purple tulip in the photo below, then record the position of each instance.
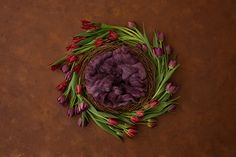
(171, 108)
(65, 68)
(68, 76)
(168, 49)
(81, 108)
(144, 47)
(82, 122)
(172, 64)
(139, 46)
(62, 100)
(158, 51)
(70, 112)
(160, 36)
(131, 24)
(171, 88)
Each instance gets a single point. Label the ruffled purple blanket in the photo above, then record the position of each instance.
(116, 78)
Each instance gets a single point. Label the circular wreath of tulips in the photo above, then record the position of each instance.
(117, 78)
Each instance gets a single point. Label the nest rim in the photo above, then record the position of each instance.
(142, 58)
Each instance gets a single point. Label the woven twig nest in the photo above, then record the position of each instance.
(93, 73)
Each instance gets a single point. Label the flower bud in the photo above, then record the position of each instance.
(171, 88)
(144, 47)
(158, 51)
(112, 36)
(71, 47)
(112, 122)
(70, 112)
(78, 89)
(134, 119)
(153, 103)
(65, 68)
(172, 108)
(55, 67)
(160, 36)
(71, 58)
(172, 64)
(151, 123)
(62, 100)
(99, 42)
(131, 132)
(139, 46)
(82, 122)
(168, 49)
(131, 24)
(81, 108)
(77, 68)
(139, 113)
(62, 86)
(68, 76)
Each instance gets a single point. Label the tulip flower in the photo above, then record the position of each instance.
(87, 25)
(153, 103)
(112, 122)
(78, 89)
(77, 68)
(76, 40)
(99, 42)
(62, 86)
(139, 46)
(81, 107)
(68, 76)
(158, 51)
(55, 67)
(151, 123)
(71, 58)
(131, 132)
(160, 36)
(134, 119)
(144, 47)
(71, 47)
(139, 113)
(70, 112)
(82, 122)
(131, 24)
(62, 100)
(112, 36)
(168, 49)
(171, 108)
(171, 88)
(65, 68)
(172, 64)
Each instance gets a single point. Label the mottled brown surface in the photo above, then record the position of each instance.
(34, 33)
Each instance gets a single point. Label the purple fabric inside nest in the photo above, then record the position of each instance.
(116, 78)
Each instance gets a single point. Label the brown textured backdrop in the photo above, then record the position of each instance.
(34, 33)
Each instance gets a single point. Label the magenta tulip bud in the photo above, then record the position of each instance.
(131, 24)
(144, 47)
(172, 64)
(68, 76)
(62, 100)
(65, 68)
(171, 88)
(82, 122)
(70, 112)
(158, 51)
(81, 107)
(160, 36)
(168, 49)
(139, 46)
(171, 108)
